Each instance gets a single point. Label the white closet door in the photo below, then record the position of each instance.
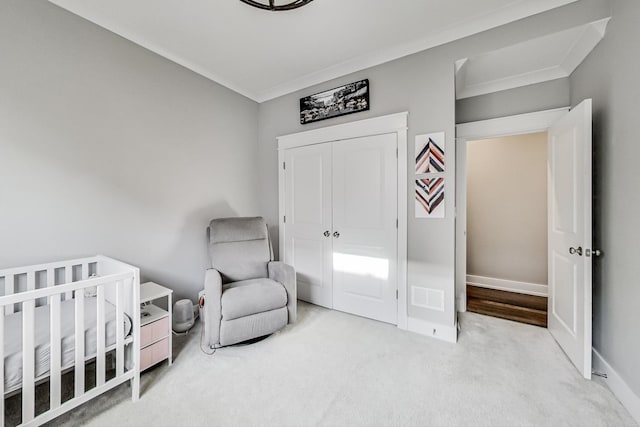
(308, 221)
(364, 227)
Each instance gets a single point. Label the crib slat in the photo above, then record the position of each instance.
(51, 281)
(28, 361)
(79, 344)
(101, 338)
(9, 289)
(31, 280)
(119, 328)
(2, 369)
(51, 277)
(85, 271)
(68, 278)
(56, 353)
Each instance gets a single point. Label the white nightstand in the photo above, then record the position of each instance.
(155, 326)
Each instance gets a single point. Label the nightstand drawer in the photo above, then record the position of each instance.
(153, 354)
(154, 331)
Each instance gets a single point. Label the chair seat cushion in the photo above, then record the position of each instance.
(253, 296)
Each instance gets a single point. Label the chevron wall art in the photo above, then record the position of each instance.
(429, 198)
(430, 153)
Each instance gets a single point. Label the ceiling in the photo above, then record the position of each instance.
(263, 54)
(551, 57)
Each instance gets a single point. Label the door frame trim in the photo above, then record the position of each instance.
(392, 123)
(539, 121)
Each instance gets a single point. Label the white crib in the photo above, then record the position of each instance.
(73, 312)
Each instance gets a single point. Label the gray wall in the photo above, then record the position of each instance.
(422, 84)
(610, 76)
(525, 99)
(108, 148)
(507, 208)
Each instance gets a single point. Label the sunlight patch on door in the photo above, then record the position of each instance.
(361, 265)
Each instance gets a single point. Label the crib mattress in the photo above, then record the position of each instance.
(13, 338)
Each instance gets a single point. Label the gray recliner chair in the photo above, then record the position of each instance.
(246, 294)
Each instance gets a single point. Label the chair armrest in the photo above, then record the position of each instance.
(211, 312)
(286, 274)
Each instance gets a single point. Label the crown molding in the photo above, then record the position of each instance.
(587, 37)
(515, 10)
(127, 35)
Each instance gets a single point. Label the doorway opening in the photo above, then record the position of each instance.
(569, 213)
(506, 233)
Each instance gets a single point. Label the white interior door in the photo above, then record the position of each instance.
(364, 227)
(570, 235)
(308, 208)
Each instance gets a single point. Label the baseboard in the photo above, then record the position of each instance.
(508, 285)
(462, 302)
(617, 385)
(434, 330)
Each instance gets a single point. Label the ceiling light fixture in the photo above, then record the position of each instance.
(272, 6)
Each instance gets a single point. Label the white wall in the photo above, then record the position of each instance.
(507, 208)
(610, 76)
(520, 100)
(108, 148)
(422, 84)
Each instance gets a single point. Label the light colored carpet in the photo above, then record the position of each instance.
(334, 369)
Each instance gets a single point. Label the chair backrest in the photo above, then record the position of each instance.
(239, 248)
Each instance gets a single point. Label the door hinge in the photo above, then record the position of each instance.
(396, 222)
(396, 153)
(284, 219)
(396, 294)
(284, 165)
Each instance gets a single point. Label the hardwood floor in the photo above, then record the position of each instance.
(508, 305)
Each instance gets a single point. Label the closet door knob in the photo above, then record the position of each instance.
(576, 251)
(336, 234)
(327, 233)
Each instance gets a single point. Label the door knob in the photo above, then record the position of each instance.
(574, 251)
(336, 234)
(327, 233)
(592, 252)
